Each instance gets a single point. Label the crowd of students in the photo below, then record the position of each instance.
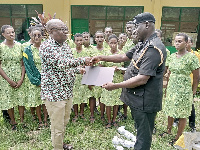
(20, 67)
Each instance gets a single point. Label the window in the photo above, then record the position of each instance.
(18, 16)
(100, 17)
(179, 19)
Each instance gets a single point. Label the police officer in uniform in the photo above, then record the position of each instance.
(143, 80)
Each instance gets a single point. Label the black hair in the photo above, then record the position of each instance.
(130, 22)
(189, 37)
(77, 35)
(112, 36)
(85, 33)
(159, 31)
(108, 28)
(98, 32)
(184, 35)
(38, 29)
(4, 27)
(123, 34)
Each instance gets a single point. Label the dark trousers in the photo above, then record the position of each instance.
(144, 125)
(192, 117)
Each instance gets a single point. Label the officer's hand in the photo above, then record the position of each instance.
(95, 60)
(109, 86)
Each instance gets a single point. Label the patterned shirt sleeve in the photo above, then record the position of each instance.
(59, 60)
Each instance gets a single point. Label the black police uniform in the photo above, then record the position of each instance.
(145, 100)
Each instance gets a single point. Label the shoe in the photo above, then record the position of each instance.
(67, 146)
(193, 129)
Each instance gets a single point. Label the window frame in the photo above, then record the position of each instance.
(27, 18)
(106, 14)
(179, 20)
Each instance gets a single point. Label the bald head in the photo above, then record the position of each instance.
(57, 30)
(53, 23)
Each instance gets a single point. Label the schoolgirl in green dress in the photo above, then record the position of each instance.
(81, 93)
(122, 41)
(12, 73)
(32, 63)
(108, 31)
(112, 98)
(180, 91)
(99, 50)
(121, 46)
(31, 41)
(91, 51)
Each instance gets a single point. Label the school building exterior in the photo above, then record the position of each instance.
(90, 15)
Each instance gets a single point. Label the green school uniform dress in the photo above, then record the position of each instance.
(96, 52)
(11, 64)
(71, 43)
(179, 95)
(32, 63)
(111, 98)
(128, 46)
(81, 93)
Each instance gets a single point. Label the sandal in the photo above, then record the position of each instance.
(33, 117)
(122, 117)
(82, 116)
(164, 134)
(92, 119)
(172, 142)
(40, 126)
(108, 126)
(46, 124)
(75, 118)
(103, 119)
(14, 127)
(115, 124)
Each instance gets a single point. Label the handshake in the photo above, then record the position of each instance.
(90, 61)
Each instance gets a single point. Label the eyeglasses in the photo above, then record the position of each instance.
(39, 35)
(61, 29)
